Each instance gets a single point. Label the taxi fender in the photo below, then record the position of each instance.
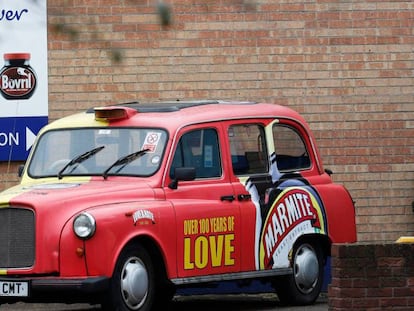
(121, 224)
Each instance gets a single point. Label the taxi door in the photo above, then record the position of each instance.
(207, 215)
(271, 161)
(250, 178)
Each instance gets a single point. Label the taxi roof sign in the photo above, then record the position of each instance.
(113, 113)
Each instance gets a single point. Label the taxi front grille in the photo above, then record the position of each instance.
(17, 238)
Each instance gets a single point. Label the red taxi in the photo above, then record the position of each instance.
(122, 205)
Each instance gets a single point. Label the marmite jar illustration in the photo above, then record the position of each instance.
(18, 79)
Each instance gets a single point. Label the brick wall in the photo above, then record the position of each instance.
(348, 66)
(372, 277)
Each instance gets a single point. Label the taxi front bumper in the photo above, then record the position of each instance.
(52, 289)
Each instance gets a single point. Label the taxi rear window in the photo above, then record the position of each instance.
(291, 153)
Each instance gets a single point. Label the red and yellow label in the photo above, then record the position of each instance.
(209, 242)
(295, 212)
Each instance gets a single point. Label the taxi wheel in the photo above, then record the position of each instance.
(304, 285)
(133, 284)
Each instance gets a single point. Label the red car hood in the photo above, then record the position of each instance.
(55, 203)
(76, 195)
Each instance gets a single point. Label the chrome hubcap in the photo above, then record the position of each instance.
(306, 268)
(134, 283)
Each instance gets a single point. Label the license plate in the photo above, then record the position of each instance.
(14, 288)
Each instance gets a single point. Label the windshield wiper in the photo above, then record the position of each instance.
(79, 159)
(124, 161)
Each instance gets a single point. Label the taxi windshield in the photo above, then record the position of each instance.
(92, 151)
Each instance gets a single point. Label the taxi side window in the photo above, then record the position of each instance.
(198, 149)
(291, 153)
(248, 149)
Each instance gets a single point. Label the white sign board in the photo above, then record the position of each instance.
(23, 75)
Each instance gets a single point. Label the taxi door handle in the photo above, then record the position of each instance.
(229, 198)
(244, 197)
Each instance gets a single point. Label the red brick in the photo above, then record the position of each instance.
(352, 293)
(380, 292)
(393, 302)
(403, 292)
(365, 303)
(339, 303)
(392, 281)
(371, 283)
(342, 282)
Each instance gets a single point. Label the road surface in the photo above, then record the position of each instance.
(256, 302)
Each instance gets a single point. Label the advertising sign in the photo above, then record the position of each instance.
(23, 76)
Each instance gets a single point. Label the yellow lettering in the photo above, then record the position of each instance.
(229, 250)
(201, 252)
(230, 222)
(188, 265)
(213, 251)
(216, 249)
(190, 227)
(218, 224)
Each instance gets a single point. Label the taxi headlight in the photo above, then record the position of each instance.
(84, 226)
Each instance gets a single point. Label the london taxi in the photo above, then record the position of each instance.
(122, 205)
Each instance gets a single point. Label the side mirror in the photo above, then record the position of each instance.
(328, 171)
(20, 170)
(182, 173)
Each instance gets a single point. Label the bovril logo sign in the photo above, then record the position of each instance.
(17, 77)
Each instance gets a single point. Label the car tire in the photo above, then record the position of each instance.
(304, 285)
(133, 284)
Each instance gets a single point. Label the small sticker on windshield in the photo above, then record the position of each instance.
(104, 132)
(155, 159)
(208, 156)
(151, 141)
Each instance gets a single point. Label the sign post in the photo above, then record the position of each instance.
(23, 76)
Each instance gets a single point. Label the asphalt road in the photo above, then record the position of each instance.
(256, 302)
